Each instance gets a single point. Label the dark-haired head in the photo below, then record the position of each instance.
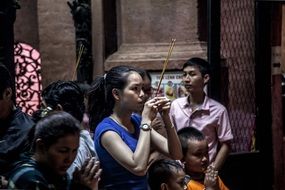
(100, 97)
(144, 74)
(161, 172)
(202, 65)
(83, 86)
(56, 141)
(189, 133)
(5, 80)
(55, 126)
(66, 96)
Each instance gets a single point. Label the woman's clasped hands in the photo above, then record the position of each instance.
(155, 105)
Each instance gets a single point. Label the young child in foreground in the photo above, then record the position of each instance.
(166, 175)
(196, 161)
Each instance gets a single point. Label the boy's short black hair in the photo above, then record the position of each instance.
(161, 171)
(5, 79)
(189, 133)
(202, 64)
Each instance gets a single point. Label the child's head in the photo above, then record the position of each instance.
(56, 140)
(66, 96)
(194, 149)
(166, 175)
(196, 74)
(122, 86)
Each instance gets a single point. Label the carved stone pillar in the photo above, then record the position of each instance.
(56, 41)
(143, 29)
(81, 12)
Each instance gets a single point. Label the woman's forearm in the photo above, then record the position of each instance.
(141, 154)
(174, 146)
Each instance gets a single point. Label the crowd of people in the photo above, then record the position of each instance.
(113, 134)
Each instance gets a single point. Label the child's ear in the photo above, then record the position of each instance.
(163, 186)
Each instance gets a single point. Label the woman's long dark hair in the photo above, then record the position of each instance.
(100, 99)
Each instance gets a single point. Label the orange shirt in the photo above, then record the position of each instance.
(195, 185)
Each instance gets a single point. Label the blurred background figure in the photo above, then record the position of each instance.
(14, 127)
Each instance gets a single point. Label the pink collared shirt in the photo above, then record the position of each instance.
(211, 118)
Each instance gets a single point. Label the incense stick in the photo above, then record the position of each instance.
(81, 49)
(165, 64)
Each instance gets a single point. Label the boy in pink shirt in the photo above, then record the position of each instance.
(202, 112)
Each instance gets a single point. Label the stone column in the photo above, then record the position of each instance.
(145, 29)
(97, 37)
(26, 25)
(56, 40)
